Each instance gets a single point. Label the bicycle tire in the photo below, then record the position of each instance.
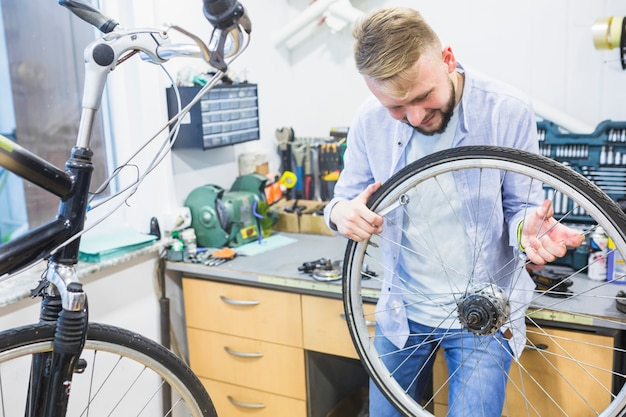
(526, 393)
(137, 370)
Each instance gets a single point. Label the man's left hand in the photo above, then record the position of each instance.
(544, 239)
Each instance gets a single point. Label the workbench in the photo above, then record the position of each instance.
(278, 268)
(296, 321)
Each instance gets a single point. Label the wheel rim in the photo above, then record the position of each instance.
(118, 380)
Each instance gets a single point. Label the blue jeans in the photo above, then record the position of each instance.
(478, 368)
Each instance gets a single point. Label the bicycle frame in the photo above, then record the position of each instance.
(101, 58)
(63, 299)
(38, 243)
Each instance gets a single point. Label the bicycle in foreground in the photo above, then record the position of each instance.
(65, 365)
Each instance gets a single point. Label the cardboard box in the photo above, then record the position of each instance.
(289, 212)
(312, 221)
(301, 216)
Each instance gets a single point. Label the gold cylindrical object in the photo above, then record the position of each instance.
(607, 32)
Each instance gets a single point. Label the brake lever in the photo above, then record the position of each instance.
(217, 56)
(204, 50)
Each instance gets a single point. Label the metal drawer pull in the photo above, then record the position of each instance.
(540, 346)
(245, 405)
(369, 323)
(239, 302)
(242, 354)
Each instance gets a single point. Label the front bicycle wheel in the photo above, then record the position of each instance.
(121, 374)
(569, 327)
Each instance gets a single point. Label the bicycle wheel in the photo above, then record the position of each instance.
(573, 357)
(125, 374)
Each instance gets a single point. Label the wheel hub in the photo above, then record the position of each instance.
(484, 310)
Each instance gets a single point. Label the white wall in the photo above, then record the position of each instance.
(543, 47)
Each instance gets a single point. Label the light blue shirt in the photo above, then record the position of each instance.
(493, 114)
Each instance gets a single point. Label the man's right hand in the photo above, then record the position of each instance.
(354, 220)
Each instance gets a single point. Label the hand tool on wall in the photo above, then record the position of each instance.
(330, 166)
(288, 180)
(298, 151)
(324, 169)
(308, 174)
(285, 137)
(315, 167)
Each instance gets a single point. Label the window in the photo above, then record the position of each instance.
(41, 76)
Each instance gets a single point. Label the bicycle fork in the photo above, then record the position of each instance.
(64, 303)
(51, 373)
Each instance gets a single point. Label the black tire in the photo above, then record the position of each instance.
(131, 384)
(552, 319)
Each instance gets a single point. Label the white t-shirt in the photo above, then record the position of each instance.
(433, 269)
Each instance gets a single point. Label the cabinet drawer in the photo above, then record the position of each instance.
(252, 363)
(235, 401)
(325, 327)
(243, 311)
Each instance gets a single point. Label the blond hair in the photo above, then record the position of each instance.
(389, 42)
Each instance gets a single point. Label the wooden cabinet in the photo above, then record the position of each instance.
(268, 353)
(245, 344)
(536, 371)
(571, 383)
(325, 327)
(265, 353)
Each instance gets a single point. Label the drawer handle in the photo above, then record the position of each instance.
(239, 302)
(245, 405)
(242, 354)
(369, 323)
(540, 346)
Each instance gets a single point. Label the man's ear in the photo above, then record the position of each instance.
(448, 58)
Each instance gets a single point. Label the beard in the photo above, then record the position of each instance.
(446, 114)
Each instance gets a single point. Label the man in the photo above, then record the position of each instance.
(425, 101)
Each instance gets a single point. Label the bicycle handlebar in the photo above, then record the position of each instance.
(228, 18)
(90, 15)
(221, 14)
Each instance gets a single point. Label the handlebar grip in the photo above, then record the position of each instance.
(222, 14)
(89, 14)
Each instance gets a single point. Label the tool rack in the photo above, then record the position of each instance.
(600, 156)
(315, 161)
